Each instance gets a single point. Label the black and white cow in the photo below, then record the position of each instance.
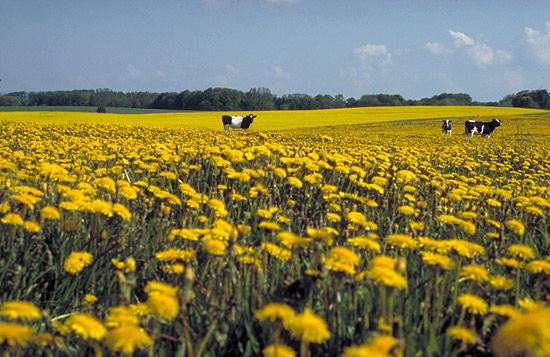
(231, 121)
(446, 127)
(480, 127)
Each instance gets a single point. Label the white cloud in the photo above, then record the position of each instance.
(368, 51)
(461, 39)
(231, 69)
(481, 54)
(437, 48)
(132, 72)
(280, 73)
(538, 43)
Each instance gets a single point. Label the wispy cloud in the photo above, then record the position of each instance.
(374, 51)
(132, 72)
(437, 48)
(461, 39)
(481, 54)
(278, 72)
(538, 43)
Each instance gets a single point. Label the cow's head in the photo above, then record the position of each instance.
(496, 122)
(247, 120)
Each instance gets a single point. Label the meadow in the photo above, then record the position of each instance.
(355, 232)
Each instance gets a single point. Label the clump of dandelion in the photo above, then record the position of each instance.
(525, 334)
(162, 300)
(383, 346)
(521, 251)
(279, 315)
(277, 350)
(14, 334)
(121, 316)
(77, 261)
(462, 334)
(86, 326)
(473, 304)
(516, 226)
(20, 310)
(127, 338)
(309, 327)
(475, 272)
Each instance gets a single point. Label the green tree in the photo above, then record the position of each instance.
(9, 101)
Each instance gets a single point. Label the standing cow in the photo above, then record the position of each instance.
(236, 122)
(480, 127)
(446, 127)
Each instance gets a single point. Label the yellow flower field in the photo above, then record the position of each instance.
(269, 120)
(314, 233)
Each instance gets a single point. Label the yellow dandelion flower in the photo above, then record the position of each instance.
(122, 211)
(473, 304)
(277, 252)
(280, 172)
(165, 306)
(215, 246)
(365, 243)
(530, 305)
(493, 202)
(521, 251)
(31, 226)
(406, 210)
(173, 254)
(129, 192)
(77, 261)
(88, 301)
(501, 282)
(278, 351)
(381, 346)
(525, 334)
(87, 326)
(344, 255)
(157, 287)
(387, 276)
(294, 181)
(465, 248)
(406, 176)
(20, 310)
(402, 241)
(141, 309)
(516, 226)
(309, 327)
(121, 316)
(463, 334)
(49, 212)
(264, 213)
(339, 266)
(291, 240)
(127, 339)
(538, 266)
(467, 227)
(275, 311)
(442, 261)
(13, 219)
(14, 334)
(504, 310)
(333, 217)
(475, 272)
(511, 263)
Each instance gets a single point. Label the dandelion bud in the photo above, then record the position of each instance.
(401, 265)
(130, 264)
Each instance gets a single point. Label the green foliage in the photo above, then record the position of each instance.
(9, 101)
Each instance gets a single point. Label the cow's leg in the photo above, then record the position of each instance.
(226, 127)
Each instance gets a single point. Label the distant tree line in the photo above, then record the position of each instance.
(226, 99)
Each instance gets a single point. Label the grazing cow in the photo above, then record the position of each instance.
(446, 127)
(480, 127)
(230, 121)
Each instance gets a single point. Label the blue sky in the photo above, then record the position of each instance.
(417, 49)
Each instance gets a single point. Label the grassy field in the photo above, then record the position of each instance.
(318, 233)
